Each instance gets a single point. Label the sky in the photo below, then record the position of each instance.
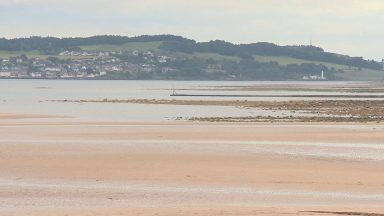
(353, 27)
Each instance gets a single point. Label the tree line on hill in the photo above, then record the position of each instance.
(246, 51)
(194, 68)
(52, 45)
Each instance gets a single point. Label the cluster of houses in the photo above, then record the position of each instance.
(86, 53)
(83, 65)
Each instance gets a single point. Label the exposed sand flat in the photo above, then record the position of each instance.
(190, 169)
(27, 116)
(355, 133)
(200, 211)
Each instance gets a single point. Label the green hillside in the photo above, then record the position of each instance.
(349, 73)
(30, 54)
(285, 60)
(254, 61)
(131, 46)
(213, 56)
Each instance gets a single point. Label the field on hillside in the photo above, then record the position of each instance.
(35, 54)
(7, 54)
(213, 56)
(350, 73)
(141, 46)
(285, 60)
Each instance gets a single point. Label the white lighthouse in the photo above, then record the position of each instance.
(322, 75)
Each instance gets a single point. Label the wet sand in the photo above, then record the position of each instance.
(27, 116)
(189, 168)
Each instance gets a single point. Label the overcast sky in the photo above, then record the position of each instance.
(353, 27)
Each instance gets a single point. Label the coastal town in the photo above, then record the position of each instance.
(80, 64)
(76, 63)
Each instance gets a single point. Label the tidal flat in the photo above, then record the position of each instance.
(118, 148)
(321, 110)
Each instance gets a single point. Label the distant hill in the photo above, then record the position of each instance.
(256, 61)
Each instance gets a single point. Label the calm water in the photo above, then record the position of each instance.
(32, 97)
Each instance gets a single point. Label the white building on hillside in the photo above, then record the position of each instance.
(315, 77)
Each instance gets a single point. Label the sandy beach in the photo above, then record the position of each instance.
(189, 168)
(191, 108)
(27, 116)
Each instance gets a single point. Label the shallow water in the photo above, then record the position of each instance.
(32, 97)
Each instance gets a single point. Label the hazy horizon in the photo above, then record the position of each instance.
(349, 27)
